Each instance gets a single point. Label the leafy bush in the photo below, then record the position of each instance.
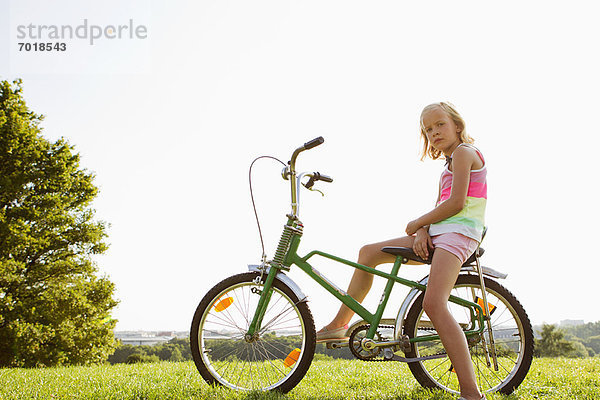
(139, 357)
(553, 343)
(174, 350)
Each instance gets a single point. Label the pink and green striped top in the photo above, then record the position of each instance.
(470, 220)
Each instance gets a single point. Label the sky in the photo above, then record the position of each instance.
(170, 120)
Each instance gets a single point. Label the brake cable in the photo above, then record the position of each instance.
(262, 243)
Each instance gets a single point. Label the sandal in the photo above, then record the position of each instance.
(326, 334)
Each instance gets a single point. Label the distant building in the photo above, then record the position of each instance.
(148, 338)
(571, 322)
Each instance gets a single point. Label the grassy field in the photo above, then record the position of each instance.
(548, 379)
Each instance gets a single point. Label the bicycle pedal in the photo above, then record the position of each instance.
(388, 354)
(335, 343)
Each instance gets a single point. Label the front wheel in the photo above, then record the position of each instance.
(511, 331)
(275, 359)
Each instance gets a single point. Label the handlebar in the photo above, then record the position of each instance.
(289, 172)
(324, 178)
(316, 176)
(314, 143)
(306, 146)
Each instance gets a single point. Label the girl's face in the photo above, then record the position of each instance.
(441, 130)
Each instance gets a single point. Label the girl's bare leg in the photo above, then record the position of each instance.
(445, 268)
(360, 284)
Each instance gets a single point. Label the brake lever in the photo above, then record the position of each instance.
(312, 189)
(309, 184)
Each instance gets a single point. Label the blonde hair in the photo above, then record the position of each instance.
(448, 108)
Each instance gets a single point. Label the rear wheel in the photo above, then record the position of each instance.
(275, 359)
(512, 334)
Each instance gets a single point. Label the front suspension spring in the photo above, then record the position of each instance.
(284, 244)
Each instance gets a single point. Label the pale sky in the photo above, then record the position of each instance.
(170, 123)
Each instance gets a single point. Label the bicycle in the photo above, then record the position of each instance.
(255, 331)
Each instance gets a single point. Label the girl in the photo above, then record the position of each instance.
(451, 232)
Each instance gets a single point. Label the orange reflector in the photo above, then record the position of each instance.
(223, 304)
(292, 358)
(452, 369)
(480, 304)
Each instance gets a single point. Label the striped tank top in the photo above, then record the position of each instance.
(470, 220)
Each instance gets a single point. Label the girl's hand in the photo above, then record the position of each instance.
(422, 244)
(413, 227)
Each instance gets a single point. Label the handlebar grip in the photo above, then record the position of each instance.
(324, 178)
(314, 143)
(316, 176)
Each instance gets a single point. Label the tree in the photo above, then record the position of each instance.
(554, 344)
(54, 309)
(176, 355)
(588, 334)
(593, 343)
(121, 353)
(174, 350)
(141, 357)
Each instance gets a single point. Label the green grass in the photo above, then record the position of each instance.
(548, 379)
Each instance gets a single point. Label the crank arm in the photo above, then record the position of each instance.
(386, 344)
(336, 344)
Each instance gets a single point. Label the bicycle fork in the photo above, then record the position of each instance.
(265, 296)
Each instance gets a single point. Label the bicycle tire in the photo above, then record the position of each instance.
(512, 333)
(277, 360)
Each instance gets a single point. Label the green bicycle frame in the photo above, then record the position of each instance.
(292, 258)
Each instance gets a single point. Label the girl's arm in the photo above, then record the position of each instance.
(462, 161)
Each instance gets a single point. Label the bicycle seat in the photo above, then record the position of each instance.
(408, 254)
